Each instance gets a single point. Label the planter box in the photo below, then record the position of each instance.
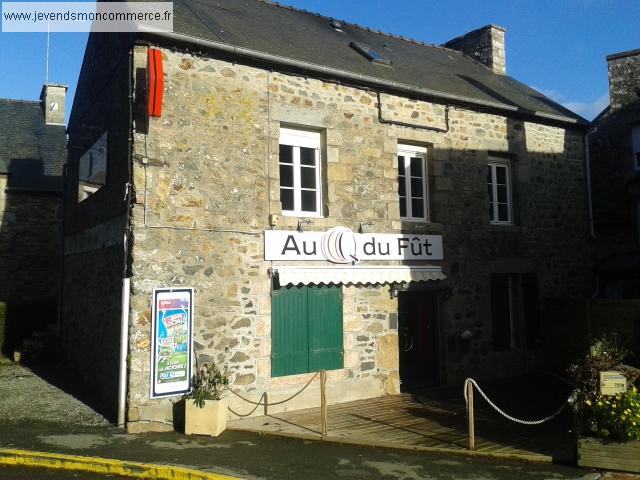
(605, 454)
(210, 420)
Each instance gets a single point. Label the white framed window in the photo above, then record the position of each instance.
(412, 183)
(499, 189)
(300, 173)
(635, 142)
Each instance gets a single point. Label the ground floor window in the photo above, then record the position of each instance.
(306, 329)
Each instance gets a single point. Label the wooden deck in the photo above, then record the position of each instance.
(433, 421)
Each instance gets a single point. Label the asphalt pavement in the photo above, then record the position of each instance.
(253, 456)
(43, 418)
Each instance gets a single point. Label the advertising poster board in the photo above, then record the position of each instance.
(172, 341)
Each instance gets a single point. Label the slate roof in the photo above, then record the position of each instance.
(270, 28)
(31, 152)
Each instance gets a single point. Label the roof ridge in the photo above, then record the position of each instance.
(18, 100)
(361, 27)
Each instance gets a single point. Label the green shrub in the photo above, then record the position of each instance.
(209, 383)
(606, 416)
(616, 417)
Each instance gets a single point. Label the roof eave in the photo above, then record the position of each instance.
(241, 52)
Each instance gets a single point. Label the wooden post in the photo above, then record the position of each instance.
(472, 440)
(323, 402)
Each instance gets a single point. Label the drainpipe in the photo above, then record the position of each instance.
(587, 161)
(126, 281)
(124, 344)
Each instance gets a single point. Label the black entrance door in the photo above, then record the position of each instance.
(417, 340)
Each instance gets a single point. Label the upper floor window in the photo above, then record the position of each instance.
(412, 183)
(635, 140)
(499, 189)
(300, 173)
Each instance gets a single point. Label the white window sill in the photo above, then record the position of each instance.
(502, 224)
(415, 220)
(301, 214)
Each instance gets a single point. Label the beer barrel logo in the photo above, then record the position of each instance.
(339, 245)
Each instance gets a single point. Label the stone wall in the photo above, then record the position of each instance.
(614, 178)
(624, 71)
(30, 249)
(95, 257)
(486, 45)
(206, 181)
(91, 310)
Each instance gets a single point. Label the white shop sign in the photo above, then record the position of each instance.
(341, 245)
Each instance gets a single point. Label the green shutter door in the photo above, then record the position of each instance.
(325, 328)
(290, 336)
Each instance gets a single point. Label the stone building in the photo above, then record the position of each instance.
(271, 158)
(615, 171)
(32, 154)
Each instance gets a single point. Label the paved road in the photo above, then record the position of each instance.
(36, 416)
(20, 473)
(252, 456)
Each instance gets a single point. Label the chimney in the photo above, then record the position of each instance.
(52, 100)
(624, 78)
(485, 45)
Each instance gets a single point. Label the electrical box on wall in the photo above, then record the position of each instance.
(273, 220)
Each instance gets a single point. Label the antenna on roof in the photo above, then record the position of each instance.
(46, 72)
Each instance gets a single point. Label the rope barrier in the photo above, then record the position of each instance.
(247, 414)
(506, 415)
(260, 402)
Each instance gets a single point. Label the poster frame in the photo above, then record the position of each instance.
(154, 393)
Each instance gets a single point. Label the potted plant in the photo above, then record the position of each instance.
(608, 425)
(205, 406)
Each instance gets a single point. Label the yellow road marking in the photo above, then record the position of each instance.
(27, 458)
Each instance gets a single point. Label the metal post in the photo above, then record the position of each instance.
(323, 402)
(472, 440)
(266, 403)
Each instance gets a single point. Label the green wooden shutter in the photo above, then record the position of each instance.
(290, 336)
(325, 328)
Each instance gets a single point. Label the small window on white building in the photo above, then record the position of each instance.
(635, 141)
(300, 173)
(412, 183)
(499, 189)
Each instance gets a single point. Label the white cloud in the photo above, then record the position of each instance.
(589, 110)
(553, 94)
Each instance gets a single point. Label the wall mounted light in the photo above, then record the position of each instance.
(393, 290)
(300, 222)
(362, 225)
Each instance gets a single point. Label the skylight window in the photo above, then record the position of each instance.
(369, 53)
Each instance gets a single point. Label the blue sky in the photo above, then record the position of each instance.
(555, 46)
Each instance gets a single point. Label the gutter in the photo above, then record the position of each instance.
(241, 52)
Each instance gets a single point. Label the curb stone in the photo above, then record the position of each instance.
(27, 458)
